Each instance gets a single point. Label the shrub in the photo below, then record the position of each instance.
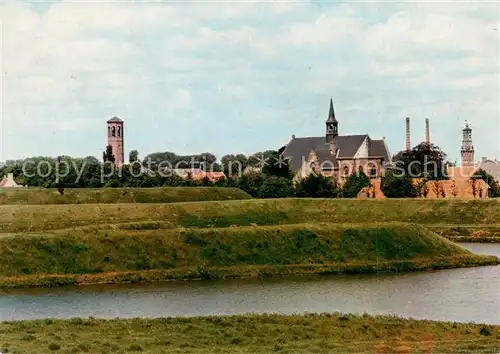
(276, 187)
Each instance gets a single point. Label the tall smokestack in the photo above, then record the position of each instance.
(427, 133)
(408, 144)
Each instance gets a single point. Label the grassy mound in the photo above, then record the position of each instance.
(332, 333)
(119, 195)
(83, 256)
(19, 218)
(470, 233)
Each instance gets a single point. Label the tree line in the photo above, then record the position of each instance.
(270, 180)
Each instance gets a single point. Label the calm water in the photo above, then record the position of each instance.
(462, 295)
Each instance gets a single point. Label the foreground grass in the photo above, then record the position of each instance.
(333, 333)
(31, 196)
(22, 218)
(83, 256)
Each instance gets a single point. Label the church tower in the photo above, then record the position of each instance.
(115, 139)
(332, 125)
(467, 147)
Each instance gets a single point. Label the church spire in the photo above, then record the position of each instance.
(331, 114)
(332, 125)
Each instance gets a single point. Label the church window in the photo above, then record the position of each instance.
(373, 172)
(113, 131)
(118, 131)
(346, 170)
(109, 131)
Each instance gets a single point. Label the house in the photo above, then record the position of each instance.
(197, 174)
(8, 182)
(336, 156)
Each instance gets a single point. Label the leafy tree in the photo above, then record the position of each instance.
(277, 166)
(423, 161)
(107, 155)
(494, 191)
(255, 160)
(234, 165)
(133, 156)
(250, 183)
(276, 187)
(398, 186)
(354, 184)
(317, 186)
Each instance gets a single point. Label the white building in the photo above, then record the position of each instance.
(8, 182)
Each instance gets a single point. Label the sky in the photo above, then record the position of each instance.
(241, 77)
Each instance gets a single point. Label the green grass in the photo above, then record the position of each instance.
(470, 233)
(20, 218)
(332, 333)
(30, 196)
(89, 256)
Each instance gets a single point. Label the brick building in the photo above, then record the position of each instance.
(116, 139)
(335, 155)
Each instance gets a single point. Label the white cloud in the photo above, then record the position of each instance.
(90, 60)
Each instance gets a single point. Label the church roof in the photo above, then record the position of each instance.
(115, 119)
(298, 149)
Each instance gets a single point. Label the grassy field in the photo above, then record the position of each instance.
(332, 333)
(128, 255)
(30, 196)
(21, 218)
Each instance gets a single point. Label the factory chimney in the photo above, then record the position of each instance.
(408, 144)
(427, 133)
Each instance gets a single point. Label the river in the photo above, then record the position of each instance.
(460, 295)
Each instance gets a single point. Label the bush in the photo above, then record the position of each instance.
(354, 184)
(276, 187)
(398, 187)
(317, 187)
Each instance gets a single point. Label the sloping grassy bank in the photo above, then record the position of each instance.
(30, 196)
(19, 218)
(311, 333)
(74, 257)
(470, 233)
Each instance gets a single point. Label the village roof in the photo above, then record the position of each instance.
(298, 149)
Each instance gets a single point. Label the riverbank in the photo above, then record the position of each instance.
(312, 333)
(469, 233)
(118, 256)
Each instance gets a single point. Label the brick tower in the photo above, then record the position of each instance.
(467, 146)
(115, 139)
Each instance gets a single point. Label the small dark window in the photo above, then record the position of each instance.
(113, 131)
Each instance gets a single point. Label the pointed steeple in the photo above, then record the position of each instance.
(332, 125)
(331, 114)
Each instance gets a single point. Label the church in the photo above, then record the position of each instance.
(336, 156)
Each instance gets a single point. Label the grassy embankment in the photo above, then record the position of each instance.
(125, 254)
(436, 214)
(32, 196)
(332, 333)
(50, 245)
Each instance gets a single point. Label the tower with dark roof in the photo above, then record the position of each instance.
(332, 125)
(115, 139)
(467, 150)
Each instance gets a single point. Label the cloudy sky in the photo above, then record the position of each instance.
(231, 77)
